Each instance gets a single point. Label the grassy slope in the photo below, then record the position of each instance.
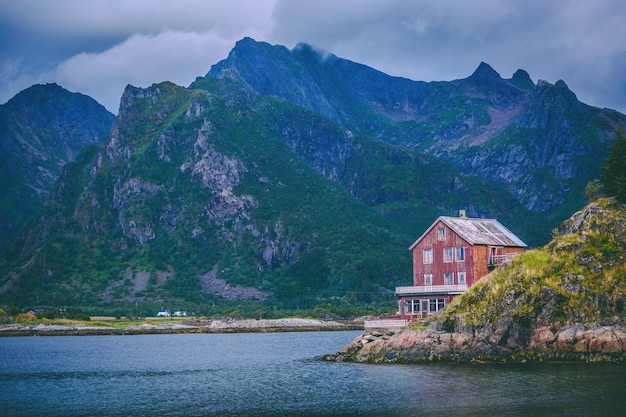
(580, 276)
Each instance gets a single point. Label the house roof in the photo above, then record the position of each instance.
(477, 231)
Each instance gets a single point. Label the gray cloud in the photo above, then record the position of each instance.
(580, 42)
(98, 47)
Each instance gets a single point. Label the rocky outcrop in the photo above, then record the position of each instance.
(210, 283)
(589, 342)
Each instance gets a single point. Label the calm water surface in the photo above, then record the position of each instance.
(277, 374)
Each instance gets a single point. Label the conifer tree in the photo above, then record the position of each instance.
(614, 175)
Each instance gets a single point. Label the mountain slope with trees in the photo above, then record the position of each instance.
(41, 129)
(291, 180)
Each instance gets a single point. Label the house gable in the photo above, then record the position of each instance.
(448, 253)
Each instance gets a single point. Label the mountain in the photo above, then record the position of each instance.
(41, 129)
(536, 140)
(291, 180)
(216, 194)
(562, 302)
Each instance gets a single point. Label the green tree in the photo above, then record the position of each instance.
(593, 190)
(614, 175)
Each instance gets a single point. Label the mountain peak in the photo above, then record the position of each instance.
(522, 79)
(485, 72)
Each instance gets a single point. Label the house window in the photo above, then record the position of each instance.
(441, 234)
(428, 279)
(460, 253)
(448, 278)
(411, 306)
(428, 256)
(447, 254)
(436, 304)
(462, 280)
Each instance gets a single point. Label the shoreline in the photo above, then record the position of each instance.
(554, 343)
(186, 326)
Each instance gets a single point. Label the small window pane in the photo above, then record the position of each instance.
(461, 278)
(448, 278)
(428, 256)
(447, 254)
(460, 253)
(428, 279)
(441, 233)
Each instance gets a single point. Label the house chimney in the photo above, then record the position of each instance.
(462, 214)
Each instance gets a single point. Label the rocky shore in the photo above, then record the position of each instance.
(590, 342)
(187, 326)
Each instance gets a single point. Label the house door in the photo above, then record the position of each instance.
(424, 309)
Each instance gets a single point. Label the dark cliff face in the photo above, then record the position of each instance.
(538, 141)
(41, 129)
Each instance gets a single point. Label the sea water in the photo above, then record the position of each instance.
(279, 374)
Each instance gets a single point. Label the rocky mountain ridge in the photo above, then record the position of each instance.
(538, 141)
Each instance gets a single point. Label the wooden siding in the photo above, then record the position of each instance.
(476, 264)
(438, 267)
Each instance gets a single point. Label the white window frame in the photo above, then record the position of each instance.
(448, 278)
(412, 306)
(441, 233)
(428, 279)
(448, 254)
(462, 277)
(427, 259)
(438, 304)
(459, 250)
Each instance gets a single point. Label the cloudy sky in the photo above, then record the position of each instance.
(96, 47)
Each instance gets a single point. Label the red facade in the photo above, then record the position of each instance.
(450, 257)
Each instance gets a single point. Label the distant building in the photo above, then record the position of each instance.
(451, 255)
(163, 313)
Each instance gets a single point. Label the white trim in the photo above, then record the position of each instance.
(431, 289)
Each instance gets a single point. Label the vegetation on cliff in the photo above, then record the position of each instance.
(579, 277)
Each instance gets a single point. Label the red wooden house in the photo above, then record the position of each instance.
(453, 254)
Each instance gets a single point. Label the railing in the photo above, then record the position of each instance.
(440, 289)
(501, 260)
